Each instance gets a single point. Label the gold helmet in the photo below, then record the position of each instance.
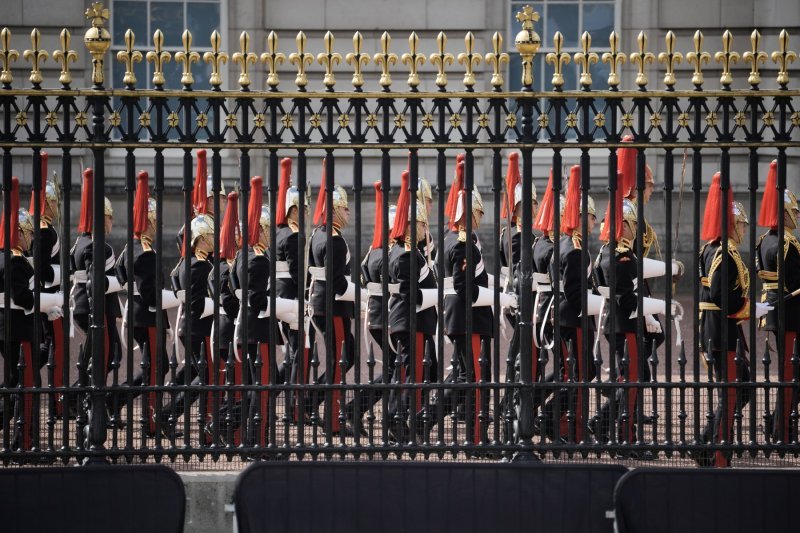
(25, 220)
(339, 197)
(477, 204)
(201, 225)
(739, 214)
(264, 220)
(108, 210)
(424, 190)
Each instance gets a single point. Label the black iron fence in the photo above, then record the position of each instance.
(531, 373)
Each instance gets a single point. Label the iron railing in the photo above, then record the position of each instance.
(70, 420)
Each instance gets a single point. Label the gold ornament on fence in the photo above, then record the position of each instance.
(698, 58)
(727, 57)
(558, 59)
(97, 40)
(782, 57)
(527, 42)
(385, 60)
(641, 58)
(7, 55)
(670, 58)
(496, 58)
(441, 59)
(187, 57)
(357, 59)
(36, 55)
(755, 56)
(413, 60)
(244, 58)
(614, 58)
(129, 56)
(272, 59)
(64, 55)
(469, 59)
(301, 59)
(158, 57)
(216, 59)
(328, 59)
(585, 59)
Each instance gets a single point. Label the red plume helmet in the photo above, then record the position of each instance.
(512, 179)
(403, 205)
(283, 186)
(85, 220)
(572, 204)
(626, 165)
(14, 219)
(254, 209)
(140, 202)
(377, 237)
(229, 232)
(42, 193)
(319, 209)
(712, 217)
(200, 192)
(544, 216)
(605, 231)
(768, 216)
(452, 196)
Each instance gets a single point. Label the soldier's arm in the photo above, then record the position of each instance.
(20, 284)
(292, 256)
(339, 280)
(458, 257)
(258, 278)
(792, 269)
(200, 272)
(626, 292)
(144, 274)
(572, 278)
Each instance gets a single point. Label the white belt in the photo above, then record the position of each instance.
(376, 289)
(282, 270)
(80, 277)
(449, 289)
(317, 273)
(12, 305)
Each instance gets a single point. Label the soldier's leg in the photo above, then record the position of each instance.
(724, 419)
(787, 397)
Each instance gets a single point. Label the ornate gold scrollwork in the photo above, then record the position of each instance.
(158, 57)
(469, 59)
(496, 58)
(272, 59)
(244, 58)
(727, 57)
(641, 58)
(385, 60)
(698, 57)
(670, 58)
(357, 59)
(129, 56)
(412, 59)
(187, 57)
(36, 55)
(782, 57)
(755, 56)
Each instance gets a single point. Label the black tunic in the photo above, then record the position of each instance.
(81, 260)
(516, 243)
(340, 259)
(399, 304)
(258, 268)
(455, 305)
(143, 274)
(196, 293)
(371, 270)
(286, 251)
(713, 294)
(767, 266)
(229, 303)
(21, 272)
(624, 264)
(571, 274)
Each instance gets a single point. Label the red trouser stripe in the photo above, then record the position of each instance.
(720, 459)
(476, 355)
(580, 372)
(338, 342)
(27, 398)
(633, 377)
(263, 395)
(788, 375)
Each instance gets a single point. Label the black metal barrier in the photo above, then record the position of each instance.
(666, 500)
(123, 499)
(412, 496)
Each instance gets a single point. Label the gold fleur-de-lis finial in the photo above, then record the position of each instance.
(301, 59)
(670, 58)
(357, 59)
(413, 60)
(7, 56)
(187, 57)
(441, 59)
(328, 59)
(36, 56)
(272, 59)
(614, 58)
(215, 58)
(557, 59)
(469, 59)
(698, 57)
(755, 56)
(385, 59)
(158, 57)
(585, 58)
(64, 55)
(496, 58)
(782, 57)
(641, 58)
(244, 58)
(129, 56)
(97, 40)
(727, 57)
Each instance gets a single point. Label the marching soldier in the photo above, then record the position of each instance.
(344, 296)
(719, 352)
(257, 312)
(142, 273)
(21, 304)
(767, 266)
(477, 369)
(202, 195)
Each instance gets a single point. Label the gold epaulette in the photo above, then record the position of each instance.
(462, 235)
(790, 240)
(576, 241)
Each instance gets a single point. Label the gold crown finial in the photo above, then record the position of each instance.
(558, 59)
(216, 59)
(782, 57)
(727, 57)
(64, 55)
(187, 57)
(585, 58)
(7, 56)
(614, 58)
(413, 60)
(670, 58)
(357, 59)
(36, 55)
(244, 58)
(755, 56)
(641, 58)
(97, 40)
(441, 59)
(301, 59)
(469, 59)
(496, 58)
(698, 57)
(158, 57)
(328, 59)
(129, 56)
(272, 59)
(385, 59)
(527, 42)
